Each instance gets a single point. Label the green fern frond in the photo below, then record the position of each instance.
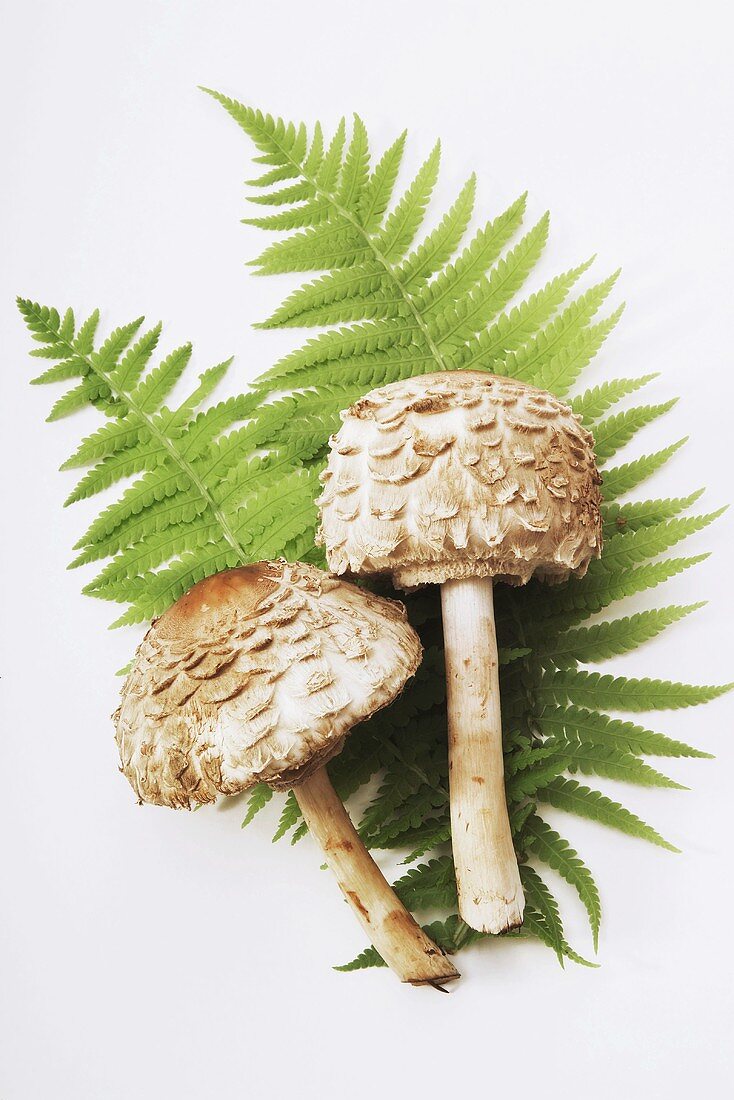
(610, 639)
(529, 361)
(616, 431)
(619, 480)
(399, 231)
(434, 832)
(513, 328)
(473, 263)
(194, 503)
(645, 513)
(290, 817)
(529, 780)
(366, 959)
(594, 402)
(573, 724)
(611, 763)
(431, 885)
(441, 244)
(545, 843)
(257, 801)
(535, 925)
(592, 689)
(556, 610)
(560, 372)
(568, 795)
(539, 898)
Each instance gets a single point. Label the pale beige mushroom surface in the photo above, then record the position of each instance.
(257, 674)
(460, 474)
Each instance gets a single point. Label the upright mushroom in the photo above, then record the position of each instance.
(462, 479)
(258, 674)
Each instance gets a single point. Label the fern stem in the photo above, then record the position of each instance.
(161, 438)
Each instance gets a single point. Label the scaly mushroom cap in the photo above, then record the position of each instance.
(461, 474)
(257, 674)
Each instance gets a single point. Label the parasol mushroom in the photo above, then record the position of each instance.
(258, 674)
(461, 479)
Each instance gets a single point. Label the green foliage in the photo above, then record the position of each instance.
(602, 641)
(547, 845)
(592, 689)
(258, 799)
(567, 794)
(198, 488)
(200, 499)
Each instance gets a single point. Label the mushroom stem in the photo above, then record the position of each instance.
(487, 876)
(394, 933)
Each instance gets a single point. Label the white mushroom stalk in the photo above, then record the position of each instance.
(256, 675)
(463, 479)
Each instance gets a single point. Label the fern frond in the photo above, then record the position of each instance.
(431, 885)
(616, 431)
(491, 293)
(405, 220)
(476, 259)
(560, 372)
(593, 690)
(347, 294)
(535, 925)
(106, 441)
(545, 843)
(366, 959)
(589, 727)
(612, 638)
(189, 483)
(514, 328)
(257, 801)
(331, 347)
(619, 480)
(290, 817)
(533, 778)
(527, 363)
(630, 548)
(611, 763)
(594, 402)
(556, 610)
(378, 191)
(434, 832)
(646, 513)
(541, 900)
(440, 245)
(568, 795)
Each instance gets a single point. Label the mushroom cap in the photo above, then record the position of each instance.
(460, 474)
(257, 674)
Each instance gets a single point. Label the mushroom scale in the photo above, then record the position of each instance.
(257, 674)
(460, 474)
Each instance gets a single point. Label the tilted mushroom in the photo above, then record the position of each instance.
(462, 479)
(258, 674)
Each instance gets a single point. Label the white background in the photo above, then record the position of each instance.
(152, 954)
